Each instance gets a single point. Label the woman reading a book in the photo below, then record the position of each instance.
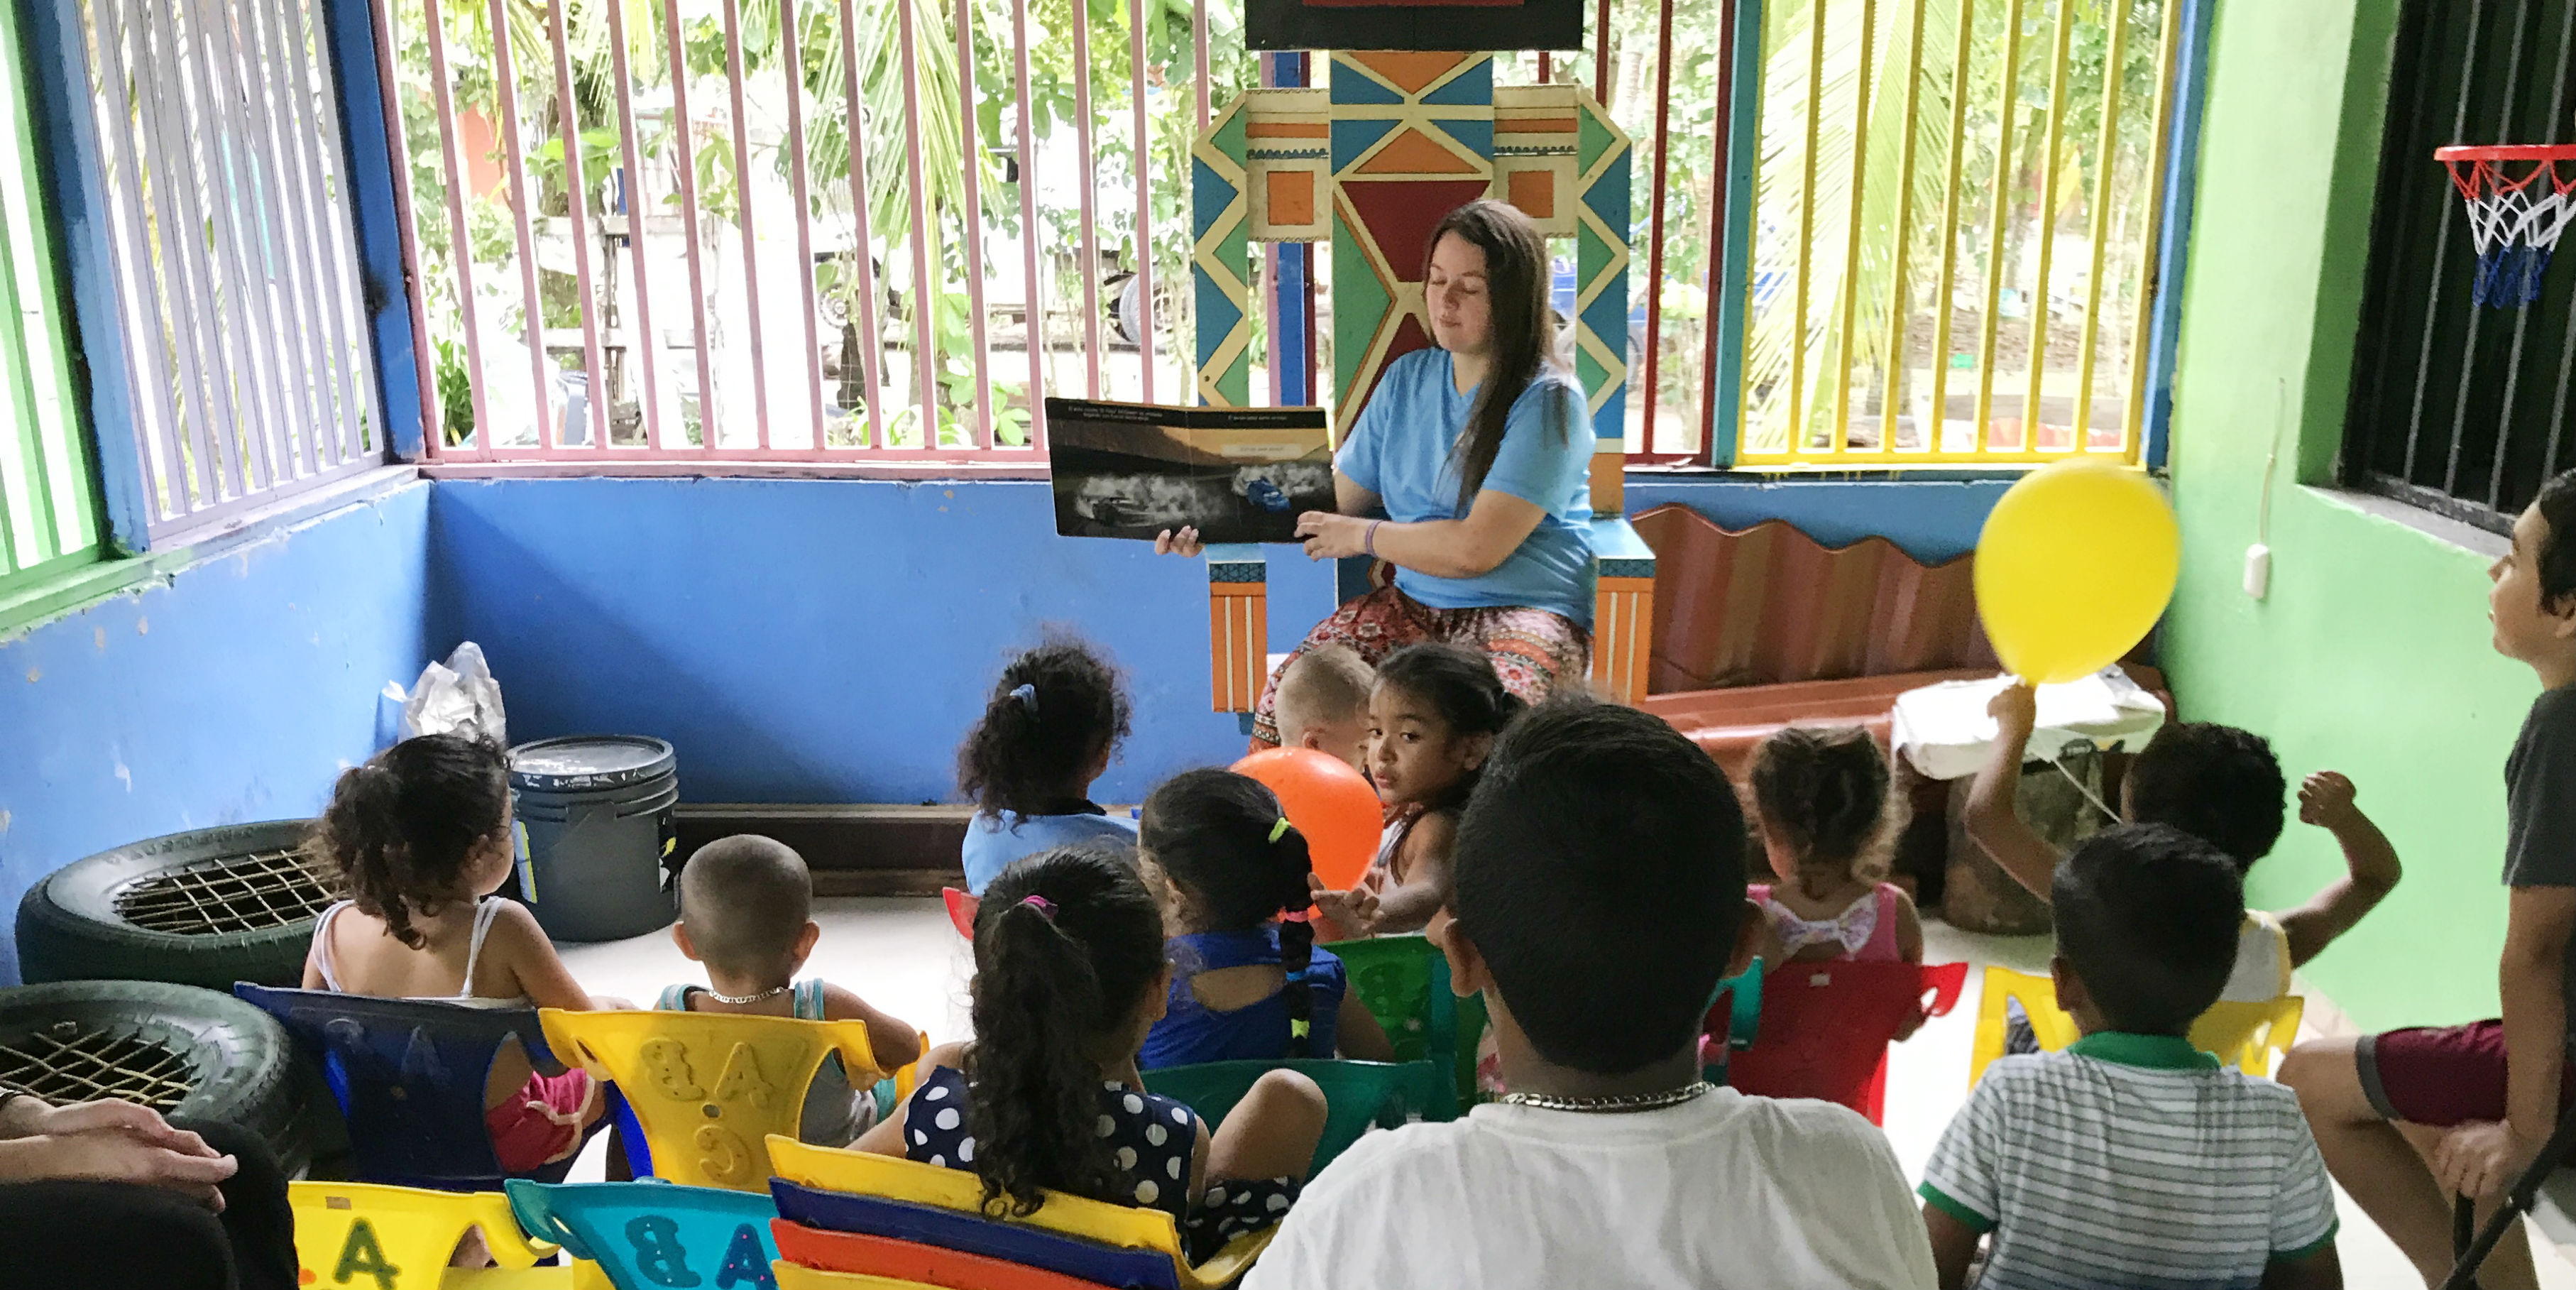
(1469, 471)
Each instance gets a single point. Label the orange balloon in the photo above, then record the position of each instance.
(1329, 802)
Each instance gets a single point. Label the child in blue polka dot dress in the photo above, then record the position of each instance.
(1069, 976)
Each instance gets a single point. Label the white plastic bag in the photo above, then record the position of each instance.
(1944, 730)
(458, 697)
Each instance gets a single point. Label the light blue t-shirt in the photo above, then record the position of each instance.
(993, 842)
(1403, 451)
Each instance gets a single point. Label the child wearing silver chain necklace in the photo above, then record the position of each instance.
(746, 907)
(1598, 897)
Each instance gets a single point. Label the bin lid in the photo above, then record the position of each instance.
(587, 763)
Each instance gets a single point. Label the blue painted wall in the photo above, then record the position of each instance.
(831, 640)
(808, 640)
(234, 691)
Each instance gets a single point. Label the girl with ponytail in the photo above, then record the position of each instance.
(1050, 726)
(1248, 982)
(1069, 976)
(1829, 823)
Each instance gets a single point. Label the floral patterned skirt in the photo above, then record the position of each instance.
(1533, 650)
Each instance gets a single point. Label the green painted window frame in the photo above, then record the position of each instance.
(50, 517)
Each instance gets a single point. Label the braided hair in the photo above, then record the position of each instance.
(1054, 709)
(1225, 843)
(402, 828)
(1067, 942)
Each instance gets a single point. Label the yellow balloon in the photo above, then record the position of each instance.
(2074, 566)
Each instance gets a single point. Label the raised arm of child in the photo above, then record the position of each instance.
(2480, 1158)
(535, 968)
(1991, 816)
(895, 1043)
(2371, 870)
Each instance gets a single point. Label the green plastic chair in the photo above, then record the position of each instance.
(1404, 983)
(1738, 1020)
(1356, 1094)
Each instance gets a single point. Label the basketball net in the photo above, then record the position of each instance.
(2515, 219)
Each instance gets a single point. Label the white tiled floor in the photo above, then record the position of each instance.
(904, 957)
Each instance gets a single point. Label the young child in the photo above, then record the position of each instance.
(1322, 702)
(421, 838)
(1433, 718)
(2223, 786)
(1248, 982)
(2476, 1102)
(1069, 975)
(746, 908)
(1600, 872)
(1821, 797)
(1053, 722)
(2131, 1159)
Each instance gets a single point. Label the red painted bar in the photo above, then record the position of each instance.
(683, 139)
(742, 212)
(791, 56)
(872, 346)
(1601, 54)
(504, 83)
(643, 343)
(1033, 323)
(595, 394)
(972, 152)
(925, 291)
(1144, 198)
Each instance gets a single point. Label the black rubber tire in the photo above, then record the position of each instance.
(69, 930)
(242, 1061)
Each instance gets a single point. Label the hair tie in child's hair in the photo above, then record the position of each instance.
(1280, 829)
(1028, 697)
(1044, 906)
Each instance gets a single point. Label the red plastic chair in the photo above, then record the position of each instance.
(1826, 1026)
(961, 910)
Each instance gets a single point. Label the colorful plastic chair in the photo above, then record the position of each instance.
(1825, 1027)
(1733, 1027)
(1070, 1236)
(647, 1235)
(1356, 1094)
(408, 1075)
(1404, 983)
(2244, 1035)
(708, 1089)
(401, 1238)
(961, 910)
(812, 1257)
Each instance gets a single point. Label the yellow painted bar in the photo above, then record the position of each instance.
(2119, 49)
(1892, 381)
(1816, 15)
(1949, 287)
(2038, 329)
(1995, 229)
(2131, 425)
(1838, 440)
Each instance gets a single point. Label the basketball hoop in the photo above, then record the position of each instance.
(2514, 218)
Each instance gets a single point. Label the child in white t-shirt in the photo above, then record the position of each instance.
(1599, 875)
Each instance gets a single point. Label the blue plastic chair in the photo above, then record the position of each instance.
(1738, 1020)
(652, 1234)
(408, 1075)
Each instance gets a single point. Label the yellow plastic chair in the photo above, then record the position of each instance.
(400, 1238)
(891, 1178)
(792, 1277)
(2247, 1036)
(2252, 1037)
(709, 1089)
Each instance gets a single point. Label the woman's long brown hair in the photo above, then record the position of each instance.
(1524, 329)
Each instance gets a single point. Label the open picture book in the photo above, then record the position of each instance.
(1132, 470)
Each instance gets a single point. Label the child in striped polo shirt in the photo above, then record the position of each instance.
(2131, 1159)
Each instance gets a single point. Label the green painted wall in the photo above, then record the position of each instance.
(2370, 655)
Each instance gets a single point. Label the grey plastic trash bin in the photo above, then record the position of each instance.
(597, 834)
